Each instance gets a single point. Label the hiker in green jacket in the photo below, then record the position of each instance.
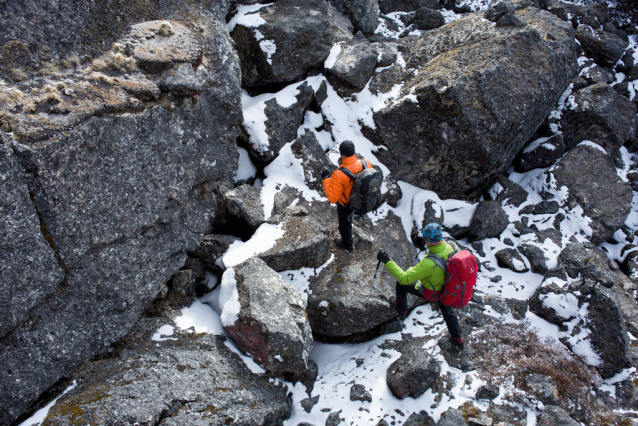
(429, 280)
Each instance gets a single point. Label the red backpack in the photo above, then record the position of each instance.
(460, 278)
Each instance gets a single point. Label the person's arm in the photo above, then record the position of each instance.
(333, 188)
(418, 272)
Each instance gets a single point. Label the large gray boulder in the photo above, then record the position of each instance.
(604, 197)
(541, 152)
(212, 248)
(189, 379)
(313, 159)
(599, 114)
(454, 113)
(355, 63)
(604, 47)
(390, 6)
(244, 202)
(489, 220)
(122, 196)
(364, 14)
(271, 323)
(302, 39)
(414, 372)
(553, 415)
(305, 244)
(29, 269)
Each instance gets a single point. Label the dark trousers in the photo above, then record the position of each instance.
(449, 314)
(344, 213)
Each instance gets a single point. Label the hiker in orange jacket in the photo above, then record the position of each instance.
(338, 189)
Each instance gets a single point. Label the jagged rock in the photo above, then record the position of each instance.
(422, 418)
(390, 6)
(452, 417)
(497, 10)
(510, 20)
(364, 14)
(334, 419)
(394, 193)
(149, 176)
(542, 152)
(244, 202)
(546, 207)
(536, 258)
(283, 199)
(543, 388)
(30, 270)
(302, 39)
(414, 372)
(282, 123)
(307, 148)
(489, 220)
(605, 48)
(600, 115)
(183, 82)
(271, 323)
(604, 197)
(596, 74)
(589, 262)
(387, 53)
(427, 19)
(511, 259)
(482, 420)
(441, 113)
(346, 302)
(487, 392)
(305, 243)
(511, 192)
(208, 384)
(355, 62)
(211, 249)
(553, 415)
(359, 393)
(308, 403)
(562, 10)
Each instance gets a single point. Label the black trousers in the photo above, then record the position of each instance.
(449, 314)
(344, 213)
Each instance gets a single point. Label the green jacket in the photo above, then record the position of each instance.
(423, 272)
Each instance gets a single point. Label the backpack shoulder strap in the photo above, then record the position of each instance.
(437, 260)
(364, 164)
(346, 172)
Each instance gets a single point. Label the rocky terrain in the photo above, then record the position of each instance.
(167, 248)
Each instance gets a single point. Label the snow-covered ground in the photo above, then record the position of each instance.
(342, 365)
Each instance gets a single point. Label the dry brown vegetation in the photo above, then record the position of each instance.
(509, 352)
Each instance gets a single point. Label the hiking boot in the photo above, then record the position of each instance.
(402, 313)
(457, 343)
(339, 244)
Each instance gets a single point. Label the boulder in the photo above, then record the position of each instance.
(605, 48)
(563, 10)
(510, 192)
(313, 159)
(355, 63)
(390, 6)
(284, 199)
(281, 45)
(346, 302)
(305, 244)
(414, 372)
(600, 115)
(282, 123)
(364, 14)
(540, 153)
(123, 196)
(387, 53)
(497, 10)
(212, 248)
(427, 19)
(270, 322)
(454, 113)
(595, 74)
(511, 259)
(510, 20)
(553, 415)
(489, 220)
(208, 384)
(452, 417)
(183, 82)
(359, 393)
(244, 202)
(422, 418)
(589, 262)
(536, 258)
(603, 196)
(30, 269)
(543, 388)
(487, 392)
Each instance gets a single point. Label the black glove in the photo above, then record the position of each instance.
(383, 257)
(325, 173)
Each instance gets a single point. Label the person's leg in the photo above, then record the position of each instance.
(402, 295)
(345, 225)
(451, 320)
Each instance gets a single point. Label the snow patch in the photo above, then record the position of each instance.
(229, 299)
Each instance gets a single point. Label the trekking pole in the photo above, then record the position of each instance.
(375, 272)
(417, 255)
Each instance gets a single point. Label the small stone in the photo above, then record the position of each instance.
(359, 393)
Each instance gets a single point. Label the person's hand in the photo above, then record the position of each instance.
(325, 173)
(383, 257)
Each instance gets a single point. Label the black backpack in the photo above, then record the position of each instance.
(366, 188)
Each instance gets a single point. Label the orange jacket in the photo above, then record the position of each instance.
(338, 187)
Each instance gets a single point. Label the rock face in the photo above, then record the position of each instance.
(299, 34)
(489, 220)
(305, 243)
(244, 202)
(446, 114)
(600, 115)
(208, 385)
(355, 63)
(414, 372)
(121, 198)
(314, 160)
(542, 152)
(364, 14)
(271, 324)
(604, 197)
